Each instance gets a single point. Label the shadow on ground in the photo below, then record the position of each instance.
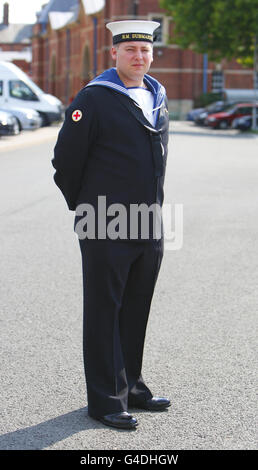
(54, 430)
(214, 133)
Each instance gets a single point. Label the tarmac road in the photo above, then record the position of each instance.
(200, 341)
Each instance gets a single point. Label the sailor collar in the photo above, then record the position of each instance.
(111, 79)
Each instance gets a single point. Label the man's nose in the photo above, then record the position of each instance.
(139, 54)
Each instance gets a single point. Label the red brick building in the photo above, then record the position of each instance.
(68, 51)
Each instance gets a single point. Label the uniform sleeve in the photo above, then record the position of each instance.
(73, 146)
(166, 102)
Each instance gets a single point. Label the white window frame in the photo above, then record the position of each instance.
(214, 88)
(165, 31)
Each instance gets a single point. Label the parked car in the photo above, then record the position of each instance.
(18, 90)
(224, 119)
(244, 123)
(28, 119)
(211, 109)
(215, 107)
(8, 124)
(193, 113)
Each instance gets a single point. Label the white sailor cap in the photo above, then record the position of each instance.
(132, 30)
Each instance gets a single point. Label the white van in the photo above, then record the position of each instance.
(239, 95)
(18, 90)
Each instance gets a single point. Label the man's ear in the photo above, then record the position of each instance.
(113, 52)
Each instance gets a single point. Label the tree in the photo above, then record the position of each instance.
(220, 28)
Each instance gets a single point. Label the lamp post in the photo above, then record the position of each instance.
(205, 68)
(205, 64)
(254, 112)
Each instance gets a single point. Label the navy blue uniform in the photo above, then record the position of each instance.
(107, 147)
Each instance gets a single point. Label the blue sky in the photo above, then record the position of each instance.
(22, 11)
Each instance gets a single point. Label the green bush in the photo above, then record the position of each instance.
(207, 98)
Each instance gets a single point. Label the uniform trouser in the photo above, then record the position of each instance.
(118, 284)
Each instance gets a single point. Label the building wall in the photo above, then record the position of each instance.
(63, 60)
(11, 49)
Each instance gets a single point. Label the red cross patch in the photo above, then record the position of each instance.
(77, 115)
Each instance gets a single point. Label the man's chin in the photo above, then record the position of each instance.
(138, 73)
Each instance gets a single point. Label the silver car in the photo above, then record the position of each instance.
(8, 124)
(28, 119)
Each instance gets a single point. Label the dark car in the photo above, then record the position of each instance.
(224, 119)
(244, 123)
(8, 124)
(211, 109)
(194, 113)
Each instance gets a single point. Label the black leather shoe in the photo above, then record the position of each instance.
(122, 420)
(153, 404)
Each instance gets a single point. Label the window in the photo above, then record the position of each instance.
(245, 110)
(21, 91)
(217, 81)
(159, 32)
(232, 110)
(1, 87)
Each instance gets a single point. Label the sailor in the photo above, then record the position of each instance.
(110, 158)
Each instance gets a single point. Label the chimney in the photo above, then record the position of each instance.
(6, 14)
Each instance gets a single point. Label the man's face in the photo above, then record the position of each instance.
(133, 58)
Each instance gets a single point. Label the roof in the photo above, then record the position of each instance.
(72, 6)
(93, 6)
(16, 33)
(62, 12)
(59, 19)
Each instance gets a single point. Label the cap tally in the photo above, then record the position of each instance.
(132, 30)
